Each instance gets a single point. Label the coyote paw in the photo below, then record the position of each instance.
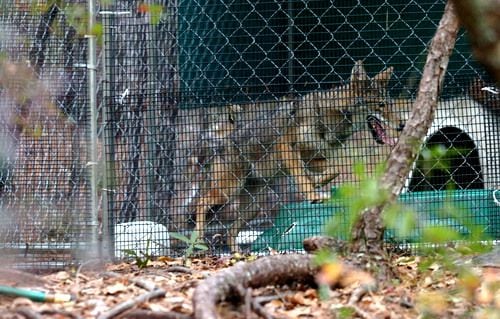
(319, 197)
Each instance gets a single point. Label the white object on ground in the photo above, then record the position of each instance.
(143, 237)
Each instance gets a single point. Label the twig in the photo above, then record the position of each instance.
(247, 307)
(360, 312)
(79, 273)
(132, 303)
(180, 269)
(141, 313)
(59, 313)
(186, 285)
(357, 294)
(28, 313)
(403, 301)
(266, 299)
(141, 283)
(259, 309)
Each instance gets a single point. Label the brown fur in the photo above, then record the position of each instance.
(287, 135)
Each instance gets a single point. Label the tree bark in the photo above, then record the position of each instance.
(271, 270)
(368, 231)
(481, 18)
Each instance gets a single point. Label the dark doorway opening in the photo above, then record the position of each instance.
(449, 160)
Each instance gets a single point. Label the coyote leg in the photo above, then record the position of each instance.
(201, 209)
(292, 162)
(224, 188)
(236, 226)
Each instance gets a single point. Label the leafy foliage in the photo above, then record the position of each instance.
(194, 242)
(142, 258)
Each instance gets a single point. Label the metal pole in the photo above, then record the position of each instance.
(291, 55)
(150, 123)
(108, 167)
(91, 66)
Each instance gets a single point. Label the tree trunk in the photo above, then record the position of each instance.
(481, 18)
(369, 229)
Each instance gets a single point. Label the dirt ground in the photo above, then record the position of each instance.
(428, 291)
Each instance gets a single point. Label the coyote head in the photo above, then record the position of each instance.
(361, 104)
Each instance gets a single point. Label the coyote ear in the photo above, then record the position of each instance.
(384, 76)
(358, 73)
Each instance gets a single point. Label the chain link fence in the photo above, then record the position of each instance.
(233, 119)
(43, 99)
(242, 79)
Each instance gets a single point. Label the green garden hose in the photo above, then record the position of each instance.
(34, 295)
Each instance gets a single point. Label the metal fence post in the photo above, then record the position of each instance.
(92, 164)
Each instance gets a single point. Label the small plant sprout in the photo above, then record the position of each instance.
(142, 258)
(194, 242)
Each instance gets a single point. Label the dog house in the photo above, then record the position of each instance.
(470, 132)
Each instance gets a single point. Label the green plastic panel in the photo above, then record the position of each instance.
(479, 208)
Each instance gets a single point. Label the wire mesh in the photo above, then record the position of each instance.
(236, 120)
(43, 93)
(252, 129)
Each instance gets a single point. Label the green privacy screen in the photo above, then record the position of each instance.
(236, 51)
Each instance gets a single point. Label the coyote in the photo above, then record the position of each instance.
(262, 139)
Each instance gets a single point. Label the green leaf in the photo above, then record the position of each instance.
(346, 312)
(130, 252)
(200, 247)
(155, 10)
(440, 235)
(180, 237)
(194, 236)
(401, 220)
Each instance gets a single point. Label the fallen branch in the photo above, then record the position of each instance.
(141, 283)
(135, 302)
(269, 270)
(180, 269)
(28, 313)
(258, 307)
(141, 313)
(14, 277)
(56, 313)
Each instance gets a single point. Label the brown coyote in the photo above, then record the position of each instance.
(289, 135)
